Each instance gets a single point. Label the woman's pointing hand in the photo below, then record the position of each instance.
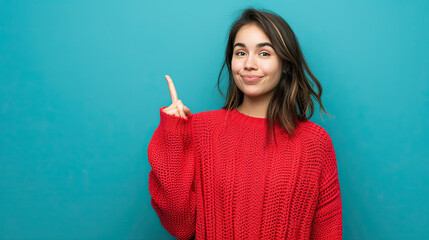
(176, 108)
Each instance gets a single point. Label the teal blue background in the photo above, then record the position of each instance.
(82, 83)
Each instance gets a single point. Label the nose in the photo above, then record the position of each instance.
(250, 63)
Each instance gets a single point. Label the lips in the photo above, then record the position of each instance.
(251, 78)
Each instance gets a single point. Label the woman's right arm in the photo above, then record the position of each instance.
(171, 180)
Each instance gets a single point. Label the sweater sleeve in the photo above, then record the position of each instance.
(327, 221)
(171, 180)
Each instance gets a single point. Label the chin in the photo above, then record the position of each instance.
(252, 94)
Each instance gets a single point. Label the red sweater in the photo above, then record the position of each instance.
(212, 178)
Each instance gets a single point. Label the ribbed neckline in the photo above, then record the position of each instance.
(248, 116)
(246, 120)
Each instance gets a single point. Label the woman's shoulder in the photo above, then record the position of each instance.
(313, 137)
(312, 131)
(210, 114)
(207, 121)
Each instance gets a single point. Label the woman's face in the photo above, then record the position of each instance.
(255, 66)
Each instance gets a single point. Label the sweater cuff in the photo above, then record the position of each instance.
(174, 124)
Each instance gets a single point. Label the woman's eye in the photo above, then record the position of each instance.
(239, 53)
(265, 54)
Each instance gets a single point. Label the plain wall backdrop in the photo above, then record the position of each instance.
(82, 83)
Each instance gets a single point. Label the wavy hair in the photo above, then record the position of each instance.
(292, 98)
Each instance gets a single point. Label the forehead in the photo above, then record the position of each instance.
(251, 35)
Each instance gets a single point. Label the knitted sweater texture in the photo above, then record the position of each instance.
(213, 177)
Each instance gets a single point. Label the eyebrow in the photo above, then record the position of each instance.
(258, 46)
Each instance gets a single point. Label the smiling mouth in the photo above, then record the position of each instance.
(251, 79)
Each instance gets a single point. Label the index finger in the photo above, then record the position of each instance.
(173, 92)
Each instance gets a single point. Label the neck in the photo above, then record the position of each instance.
(255, 106)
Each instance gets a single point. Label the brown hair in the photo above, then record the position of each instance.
(291, 100)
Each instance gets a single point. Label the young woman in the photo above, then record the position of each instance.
(257, 168)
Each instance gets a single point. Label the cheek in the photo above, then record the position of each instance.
(235, 66)
(272, 69)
